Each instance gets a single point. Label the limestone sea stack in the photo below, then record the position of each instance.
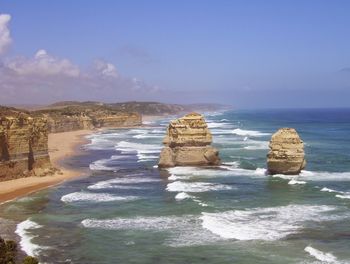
(187, 143)
(286, 155)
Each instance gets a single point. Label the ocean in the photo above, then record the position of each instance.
(129, 211)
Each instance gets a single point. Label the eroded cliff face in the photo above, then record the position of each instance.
(24, 135)
(64, 123)
(117, 120)
(23, 146)
(187, 143)
(79, 117)
(286, 155)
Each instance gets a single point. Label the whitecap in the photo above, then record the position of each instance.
(141, 223)
(325, 176)
(146, 157)
(94, 197)
(293, 182)
(116, 182)
(143, 151)
(23, 230)
(260, 171)
(256, 145)
(173, 177)
(101, 165)
(102, 141)
(186, 173)
(249, 133)
(200, 202)
(143, 136)
(137, 147)
(221, 132)
(283, 176)
(321, 256)
(256, 223)
(345, 196)
(325, 189)
(217, 125)
(180, 186)
(234, 164)
(340, 194)
(182, 196)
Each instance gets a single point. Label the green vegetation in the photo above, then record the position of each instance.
(9, 253)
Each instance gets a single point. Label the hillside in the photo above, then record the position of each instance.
(144, 108)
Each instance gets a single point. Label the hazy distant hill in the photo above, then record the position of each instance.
(145, 108)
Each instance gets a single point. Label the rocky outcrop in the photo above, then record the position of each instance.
(286, 155)
(63, 123)
(187, 143)
(72, 118)
(23, 146)
(24, 135)
(117, 120)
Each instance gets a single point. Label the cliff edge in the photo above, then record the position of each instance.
(23, 145)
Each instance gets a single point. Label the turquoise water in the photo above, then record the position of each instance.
(129, 211)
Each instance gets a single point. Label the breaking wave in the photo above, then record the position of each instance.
(196, 187)
(255, 224)
(94, 197)
(23, 230)
(249, 133)
(321, 256)
(122, 183)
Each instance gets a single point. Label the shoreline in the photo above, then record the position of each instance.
(61, 147)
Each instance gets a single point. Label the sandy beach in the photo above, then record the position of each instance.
(61, 146)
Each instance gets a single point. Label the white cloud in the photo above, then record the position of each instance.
(43, 64)
(46, 78)
(106, 69)
(5, 38)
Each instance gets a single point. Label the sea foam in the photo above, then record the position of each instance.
(23, 230)
(255, 224)
(321, 256)
(120, 182)
(249, 133)
(182, 196)
(181, 186)
(94, 197)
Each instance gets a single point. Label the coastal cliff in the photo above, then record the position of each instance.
(187, 143)
(24, 145)
(24, 135)
(71, 118)
(286, 155)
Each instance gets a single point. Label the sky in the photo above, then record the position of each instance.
(249, 54)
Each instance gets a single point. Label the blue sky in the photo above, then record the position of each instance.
(250, 54)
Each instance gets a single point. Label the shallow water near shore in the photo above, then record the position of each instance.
(128, 211)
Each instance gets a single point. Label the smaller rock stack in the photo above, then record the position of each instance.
(187, 143)
(286, 155)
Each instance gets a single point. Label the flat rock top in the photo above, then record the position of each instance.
(190, 130)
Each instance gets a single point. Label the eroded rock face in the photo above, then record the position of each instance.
(286, 155)
(23, 146)
(78, 118)
(187, 143)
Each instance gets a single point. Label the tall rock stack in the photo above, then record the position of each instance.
(187, 143)
(286, 155)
